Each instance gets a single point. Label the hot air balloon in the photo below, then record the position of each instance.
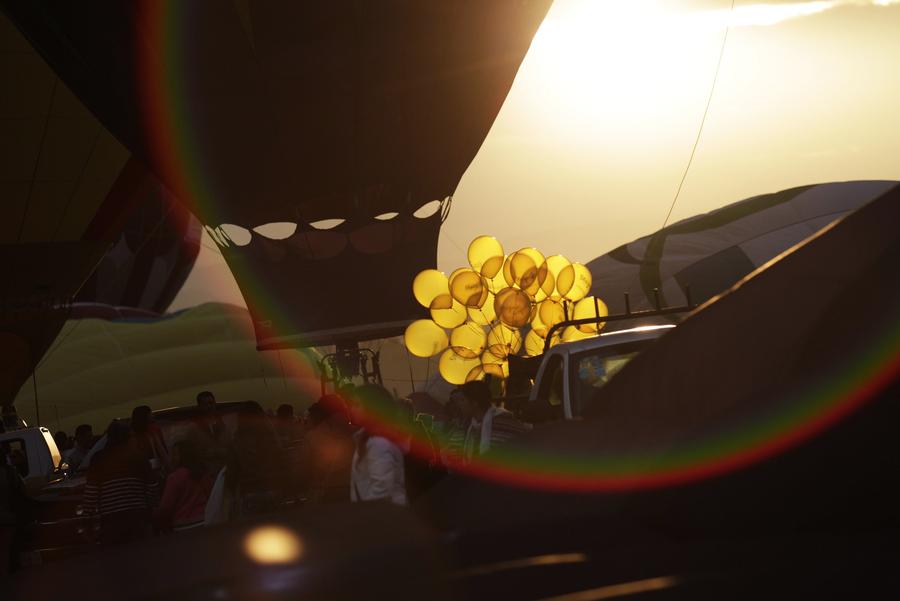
(708, 253)
(62, 181)
(105, 368)
(320, 142)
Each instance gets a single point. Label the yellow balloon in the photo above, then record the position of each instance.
(546, 283)
(502, 342)
(555, 264)
(551, 312)
(447, 313)
(585, 309)
(468, 287)
(485, 314)
(574, 282)
(531, 281)
(493, 267)
(496, 281)
(454, 368)
(483, 249)
(477, 373)
(495, 366)
(538, 326)
(513, 307)
(424, 338)
(571, 334)
(534, 344)
(428, 285)
(468, 340)
(520, 269)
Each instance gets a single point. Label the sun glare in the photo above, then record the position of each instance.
(610, 65)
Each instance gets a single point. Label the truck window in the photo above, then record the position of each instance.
(550, 392)
(593, 369)
(18, 455)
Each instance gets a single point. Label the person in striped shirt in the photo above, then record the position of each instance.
(121, 488)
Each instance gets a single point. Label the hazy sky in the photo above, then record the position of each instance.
(589, 148)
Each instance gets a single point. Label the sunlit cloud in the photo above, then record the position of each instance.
(767, 14)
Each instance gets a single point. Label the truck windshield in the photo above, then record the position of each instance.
(593, 369)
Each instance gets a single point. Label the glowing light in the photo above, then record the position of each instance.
(272, 545)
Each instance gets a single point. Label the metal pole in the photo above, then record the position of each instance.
(37, 408)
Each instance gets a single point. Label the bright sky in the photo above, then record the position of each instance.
(589, 148)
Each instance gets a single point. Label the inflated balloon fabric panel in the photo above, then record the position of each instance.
(152, 257)
(24, 338)
(710, 252)
(57, 162)
(286, 108)
(348, 283)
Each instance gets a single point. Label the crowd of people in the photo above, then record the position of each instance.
(359, 445)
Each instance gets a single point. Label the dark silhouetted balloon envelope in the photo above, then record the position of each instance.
(283, 115)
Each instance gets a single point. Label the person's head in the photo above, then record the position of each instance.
(84, 436)
(474, 399)
(285, 411)
(376, 409)
(316, 414)
(117, 434)
(334, 404)
(62, 440)
(141, 417)
(186, 454)
(379, 414)
(206, 401)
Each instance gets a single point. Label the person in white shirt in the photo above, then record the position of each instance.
(377, 470)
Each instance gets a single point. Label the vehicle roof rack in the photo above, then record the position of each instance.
(690, 305)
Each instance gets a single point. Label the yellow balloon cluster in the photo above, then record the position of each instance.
(485, 306)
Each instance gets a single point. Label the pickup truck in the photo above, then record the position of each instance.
(569, 373)
(33, 452)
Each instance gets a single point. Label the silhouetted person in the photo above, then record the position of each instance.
(121, 488)
(451, 439)
(84, 440)
(255, 474)
(378, 466)
(421, 462)
(186, 490)
(15, 512)
(208, 432)
(289, 429)
(62, 441)
(327, 452)
(489, 426)
(10, 418)
(147, 439)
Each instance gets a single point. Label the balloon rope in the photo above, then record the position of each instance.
(281, 366)
(412, 382)
(703, 119)
(58, 344)
(37, 409)
(77, 185)
(37, 161)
